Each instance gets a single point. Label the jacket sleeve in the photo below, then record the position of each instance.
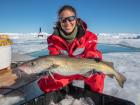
(51, 46)
(91, 50)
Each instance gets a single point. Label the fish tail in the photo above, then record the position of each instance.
(120, 78)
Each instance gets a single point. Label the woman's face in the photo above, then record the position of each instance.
(67, 20)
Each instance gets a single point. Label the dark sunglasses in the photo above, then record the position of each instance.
(70, 18)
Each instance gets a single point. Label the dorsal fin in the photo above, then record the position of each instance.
(109, 64)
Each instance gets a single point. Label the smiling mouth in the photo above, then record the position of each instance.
(67, 28)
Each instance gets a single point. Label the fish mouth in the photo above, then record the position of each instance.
(21, 69)
(19, 72)
(24, 70)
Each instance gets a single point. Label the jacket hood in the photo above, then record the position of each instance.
(82, 23)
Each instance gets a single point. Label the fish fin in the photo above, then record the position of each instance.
(109, 64)
(120, 78)
(50, 73)
(110, 75)
(88, 74)
(52, 76)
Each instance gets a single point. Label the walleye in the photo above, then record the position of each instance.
(70, 66)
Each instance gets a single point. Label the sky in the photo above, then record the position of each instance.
(101, 16)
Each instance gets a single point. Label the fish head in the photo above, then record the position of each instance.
(35, 66)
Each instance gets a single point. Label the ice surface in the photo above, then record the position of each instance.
(125, 62)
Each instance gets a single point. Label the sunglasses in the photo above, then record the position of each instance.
(70, 19)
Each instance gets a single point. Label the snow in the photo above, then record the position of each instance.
(127, 63)
(69, 100)
(9, 100)
(129, 40)
(27, 42)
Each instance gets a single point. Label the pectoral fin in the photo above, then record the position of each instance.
(50, 73)
(88, 74)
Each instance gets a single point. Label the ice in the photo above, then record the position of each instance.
(28, 42)
(11, 99)
(124, 39)
(127, 63)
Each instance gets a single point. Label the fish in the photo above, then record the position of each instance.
(66, 66)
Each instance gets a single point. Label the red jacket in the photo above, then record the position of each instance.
(57, 45)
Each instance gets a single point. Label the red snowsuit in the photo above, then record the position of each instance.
(57, 44)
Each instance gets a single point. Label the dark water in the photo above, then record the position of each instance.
(104, 48)
(107, 48)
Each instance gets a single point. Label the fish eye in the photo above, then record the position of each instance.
(32, 63)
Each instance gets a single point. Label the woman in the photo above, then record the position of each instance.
(72, 38)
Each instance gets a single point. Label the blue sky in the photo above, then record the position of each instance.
(100, 15)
